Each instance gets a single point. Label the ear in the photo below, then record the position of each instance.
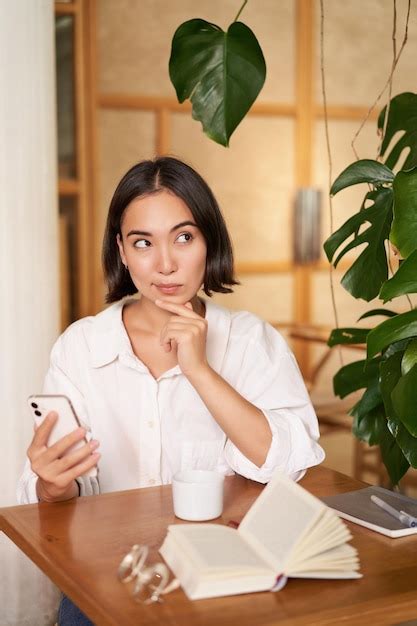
(121, 250)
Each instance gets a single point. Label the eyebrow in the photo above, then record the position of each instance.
(145, 233)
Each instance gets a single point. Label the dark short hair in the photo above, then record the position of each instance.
(148, 177)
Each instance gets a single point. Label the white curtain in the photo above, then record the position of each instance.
(28, 270)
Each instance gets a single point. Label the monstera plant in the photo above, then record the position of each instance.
(222, 72)
(386, 414)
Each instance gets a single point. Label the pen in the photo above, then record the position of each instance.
(402, 516)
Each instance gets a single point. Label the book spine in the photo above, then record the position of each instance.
(280, 582)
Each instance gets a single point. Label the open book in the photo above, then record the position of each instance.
(286, 533)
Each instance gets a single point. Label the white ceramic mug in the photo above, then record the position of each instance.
(198, 495)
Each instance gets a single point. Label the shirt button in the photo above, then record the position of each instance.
(151, 424)
(152, 481)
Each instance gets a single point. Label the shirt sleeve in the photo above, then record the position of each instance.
(57, 382)
(271, 380)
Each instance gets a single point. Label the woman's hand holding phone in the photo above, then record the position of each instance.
(56, 472)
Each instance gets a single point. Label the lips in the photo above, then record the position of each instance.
(168, 288)
(167, 285)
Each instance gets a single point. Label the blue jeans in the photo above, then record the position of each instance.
(70, 615)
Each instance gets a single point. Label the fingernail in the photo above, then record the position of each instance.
(94, 444)
(96, 455)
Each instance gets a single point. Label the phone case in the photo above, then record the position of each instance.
(40, 405)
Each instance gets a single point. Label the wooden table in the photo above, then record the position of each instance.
(80, 543)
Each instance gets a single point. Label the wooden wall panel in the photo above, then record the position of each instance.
(134, 41)
(358, 50)
(268, 296)
(253, 181)
(349, 309)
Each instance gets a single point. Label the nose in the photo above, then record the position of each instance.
(166, 261)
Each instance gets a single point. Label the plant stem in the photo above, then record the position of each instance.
(384, 88)
(329, 157)
(240, 10)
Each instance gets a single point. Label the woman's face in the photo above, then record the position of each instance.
(163, 248)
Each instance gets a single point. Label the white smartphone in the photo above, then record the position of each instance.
(40, 405)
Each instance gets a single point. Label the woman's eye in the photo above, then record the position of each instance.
(184, 237)
(142, 243)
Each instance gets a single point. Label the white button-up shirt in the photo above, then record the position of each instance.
(149, 429)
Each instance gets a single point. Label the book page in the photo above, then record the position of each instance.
(344, 557)
(347, 570)
(281, 516)
(216, 547)
(328, 533)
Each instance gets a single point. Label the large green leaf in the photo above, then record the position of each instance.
(409, 358)
(404, 224)
(390, 375)
(397, 346)
(396, 328)
(370, 400)
(404, 402)
(370, 427)
(370, 270)
(404, 280)
(393, 443)
(402, 119)
(392, 456)
(407, 442)
(369, 415)
(220, 72)
(363, 171)
(354, 376)
(342, 336)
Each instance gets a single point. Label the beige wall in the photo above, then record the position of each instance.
(254, 179)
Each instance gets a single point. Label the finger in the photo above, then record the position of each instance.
(61, 446)
(76, 457)
(174, 337)
(44, 429)
(80, 469)
(176, 328)
(166, 337)
(178, 309)
(169, 344)
(198, 322)
(180, 323)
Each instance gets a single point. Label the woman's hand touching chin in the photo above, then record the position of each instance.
(186, 332)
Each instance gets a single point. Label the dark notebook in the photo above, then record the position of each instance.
(357, 507)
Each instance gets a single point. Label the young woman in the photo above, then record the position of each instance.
(169, 380)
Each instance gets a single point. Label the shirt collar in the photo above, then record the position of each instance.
(109, 337)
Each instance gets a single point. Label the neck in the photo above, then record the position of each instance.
(145, 314)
